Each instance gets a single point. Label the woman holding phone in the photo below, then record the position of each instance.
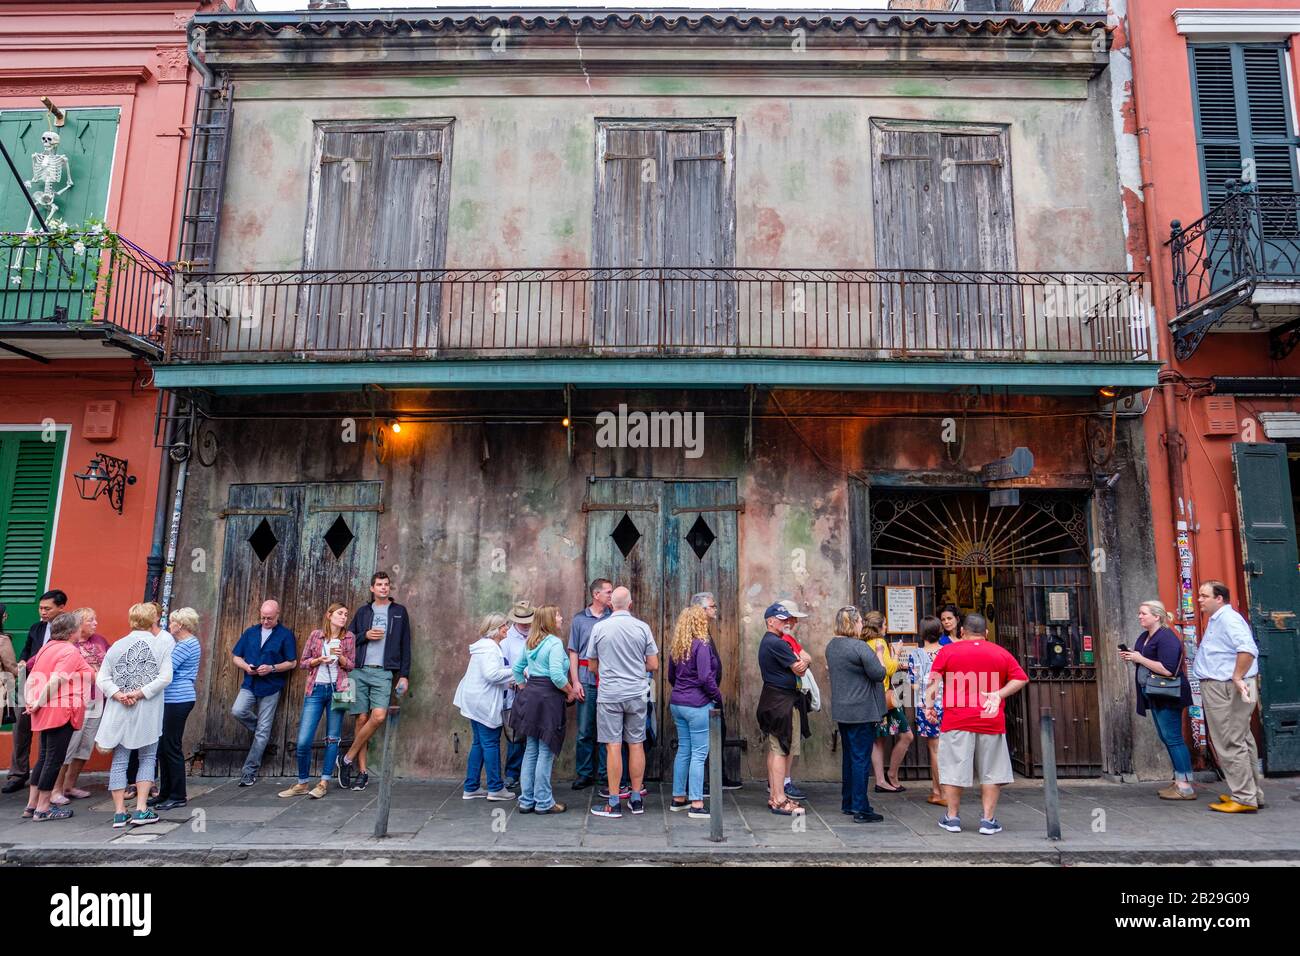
(330, 652)
(1158, 651)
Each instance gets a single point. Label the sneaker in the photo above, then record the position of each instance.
(951, 824)
(473, 794)
(144, 818)
(676, 807)
(606, 809)
(731, 784)
(54, 813)
(247, 780)
(513, 786)
(319, 790)
(344, 771)
(503, 795)
(696, 813)
(297, 790)
(869, 817)
(361, 782)
(171, 805)
(990, 826)
(524, 809)
(623, 793)
(120, 820)
(636, 805)
(793, 792)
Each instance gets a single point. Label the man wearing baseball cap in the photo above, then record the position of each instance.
(782, 708)
(512, 646)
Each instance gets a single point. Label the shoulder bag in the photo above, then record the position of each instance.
(1165, 688)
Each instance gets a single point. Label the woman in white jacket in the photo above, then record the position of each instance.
(136, 670)
(481, 696)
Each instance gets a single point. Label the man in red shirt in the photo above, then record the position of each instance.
(977, 677)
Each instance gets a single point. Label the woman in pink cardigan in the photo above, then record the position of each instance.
(58, 685)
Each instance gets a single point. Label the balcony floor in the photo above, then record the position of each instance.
(1055, 378)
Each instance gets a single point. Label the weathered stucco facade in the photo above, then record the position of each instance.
(485, 496)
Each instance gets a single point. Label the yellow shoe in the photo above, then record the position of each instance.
(1227, 798)
(1232, 806)
(319, 790)
(297, 790)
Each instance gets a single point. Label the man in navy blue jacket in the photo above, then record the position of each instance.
(266, 653)
(383, 632)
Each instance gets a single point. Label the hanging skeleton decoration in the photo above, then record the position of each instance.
(49, 169)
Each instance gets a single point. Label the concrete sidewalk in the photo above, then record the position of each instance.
(1103, 823)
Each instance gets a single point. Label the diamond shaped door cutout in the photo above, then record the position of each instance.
(263, 540)
(626, 536)
(700, 537)
(339, 536)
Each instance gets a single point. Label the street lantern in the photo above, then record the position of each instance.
(105, 475)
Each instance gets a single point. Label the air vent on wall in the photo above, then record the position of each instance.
(1220, 415)
(100, 421)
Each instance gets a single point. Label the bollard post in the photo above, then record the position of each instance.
(386, 778)
(715, 776)
(1051, 796)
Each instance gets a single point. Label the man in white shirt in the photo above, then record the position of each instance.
(1226, 664)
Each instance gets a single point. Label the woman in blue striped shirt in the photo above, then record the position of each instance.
(178, 701)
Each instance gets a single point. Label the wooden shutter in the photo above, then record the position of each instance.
(88, 139)
(1272, 605)
(29, 494)
(628, 234)
(1242, 113)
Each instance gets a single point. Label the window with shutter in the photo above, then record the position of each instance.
(29, 494)
(1243, 118)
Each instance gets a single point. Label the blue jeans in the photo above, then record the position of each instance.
(856, 741)
(1169, 725)
(591, 755)
(692, 750)
(514, 759)
(317, 703)
(484, 752)
(535, 778)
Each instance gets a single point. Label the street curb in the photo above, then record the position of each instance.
(220, 855)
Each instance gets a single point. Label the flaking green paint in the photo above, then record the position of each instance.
(664, 85)
(285, 124)
(797, 530)
(794, 180)
(433, 82)
(917, 88)
(393, 107)
(466, 215)
(468, 171)
(579, 146)
(838, 127)
(563, 228)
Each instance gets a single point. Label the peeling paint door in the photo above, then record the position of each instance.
(376, 228)
(668, 540)
(306, 546)
(942, 199)
(664, 202)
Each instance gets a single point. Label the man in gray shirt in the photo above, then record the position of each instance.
(620, 653)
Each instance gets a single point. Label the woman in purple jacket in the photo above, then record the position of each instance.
(693, 669)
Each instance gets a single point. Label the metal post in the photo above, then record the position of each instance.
(715, 776)
(386, 778)
(1051, 796)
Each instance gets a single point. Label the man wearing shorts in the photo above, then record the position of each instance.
(383, 633)
(621, 653)
(977, 677)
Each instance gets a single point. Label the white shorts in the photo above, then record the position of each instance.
(965, 755)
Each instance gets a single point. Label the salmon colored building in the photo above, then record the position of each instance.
(113, 82)
(1216, 193)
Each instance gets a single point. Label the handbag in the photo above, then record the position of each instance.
(1164, 688)
(344, 698)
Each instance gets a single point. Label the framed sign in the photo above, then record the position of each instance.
(1058, 605)
(900, 610)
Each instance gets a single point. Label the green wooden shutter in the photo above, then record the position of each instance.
(1268, 538)
(29, 493)
(1243, 113)
(88, 139)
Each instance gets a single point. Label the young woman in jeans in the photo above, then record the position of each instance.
(693, 668)
(1159, 651)
(330, 652)
(538, 713)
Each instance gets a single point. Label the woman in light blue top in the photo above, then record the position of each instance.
(178, 701)
(538, 712)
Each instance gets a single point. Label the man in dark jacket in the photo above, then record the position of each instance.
(383, 632)
(51, 606)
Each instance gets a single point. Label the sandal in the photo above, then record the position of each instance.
(76, 793)
(29, 813)
(786, 808)
(54, 813)
(130, 793)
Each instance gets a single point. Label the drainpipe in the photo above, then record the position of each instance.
(154, 563)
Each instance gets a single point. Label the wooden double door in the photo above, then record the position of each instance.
(666, 541)
(305, 546)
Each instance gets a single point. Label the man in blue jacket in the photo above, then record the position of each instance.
(266, 653)
(383, 632)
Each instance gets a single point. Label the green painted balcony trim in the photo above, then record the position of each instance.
(1060, 378)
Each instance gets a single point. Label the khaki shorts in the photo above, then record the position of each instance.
(796, 737)
(620, 721)
(82, 744)
(965, 755)
(374, 689)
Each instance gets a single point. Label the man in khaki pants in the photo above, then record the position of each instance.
(1226, 665)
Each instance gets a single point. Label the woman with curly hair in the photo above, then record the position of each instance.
(693, 670)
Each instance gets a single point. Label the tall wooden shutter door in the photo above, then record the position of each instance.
(1264, 73)
(699, 233)
(1268, 536)
(344, 239)
(1218, 133)
(628, 234)
(29, 494)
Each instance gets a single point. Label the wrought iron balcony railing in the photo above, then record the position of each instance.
(52, 281)
(502, 313)
(1250, 237)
